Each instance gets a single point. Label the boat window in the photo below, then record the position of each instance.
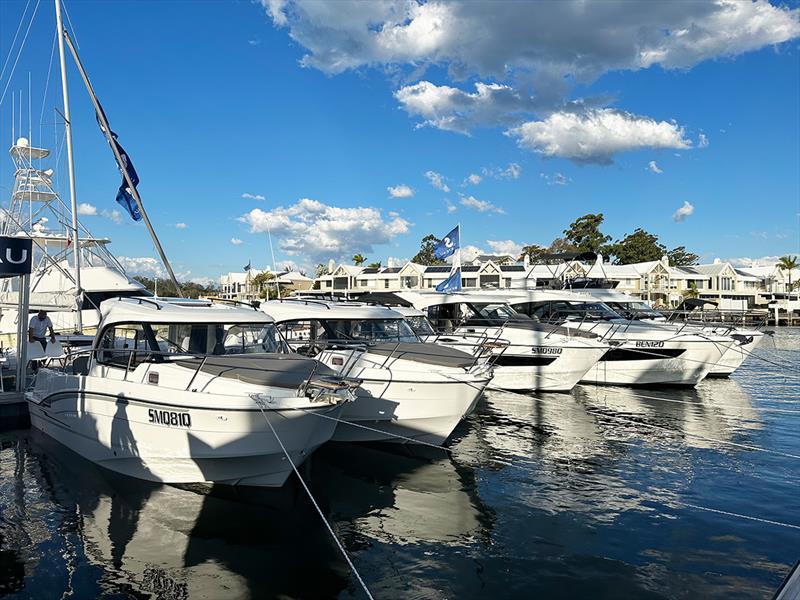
(446, 317)
(123, 345)
(216, 338)
(133, 343)
(420, 325)
(367, 330)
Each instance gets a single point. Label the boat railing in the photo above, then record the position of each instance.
(754, 318)
(138, 356)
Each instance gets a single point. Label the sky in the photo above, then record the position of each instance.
(351, 127)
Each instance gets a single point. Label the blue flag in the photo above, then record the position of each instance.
(447, 245)
(247, 266)
(452, 283)
(124, 195)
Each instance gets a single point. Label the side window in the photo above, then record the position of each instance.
(123, 345)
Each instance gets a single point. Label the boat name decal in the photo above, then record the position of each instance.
(170, 418)
(546, 350)
(648, 344)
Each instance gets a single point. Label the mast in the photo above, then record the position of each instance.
(122, 167)
(76, 254)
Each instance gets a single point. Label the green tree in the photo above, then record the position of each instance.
(425, 255)
(532, 251)
(639, 246)
(320, 270)
(691, 290)
(261, 282)
(788, 263)
(584, 233)
(359, 259)
(561, 245)
(375, 265)
(680, 257)
(166, 288)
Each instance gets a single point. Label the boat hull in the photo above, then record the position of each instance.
(633, 365)
(736, 354)
(408, 411)
(179, 443)
(546, 374)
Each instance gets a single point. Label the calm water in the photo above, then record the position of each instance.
(606, 492)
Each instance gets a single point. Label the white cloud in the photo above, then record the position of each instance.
(113, 215)
(553, 41)
(236, 241)
(470, 252)
(86, 209)
(451, 109)
(473, 179)
(595, 135)
(684, 211)
(480, 205)
(318, 231)
(505, 247)
(400, 191)
(451, 208)
(181, 226)
(204, 281)
(653, 167)
(555, 178)
(142, 265)
(247, 196)
(512, 171)
(254, 42)
(745, 261)
(437, 181)
(702, 141)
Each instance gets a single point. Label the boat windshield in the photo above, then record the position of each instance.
(162, 339)
(420, 325)
(366, 330)
(561, 310)
(635, 310)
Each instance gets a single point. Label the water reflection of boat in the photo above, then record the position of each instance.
(396, 498)
(194, 542)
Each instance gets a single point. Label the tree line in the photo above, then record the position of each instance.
(585, 235)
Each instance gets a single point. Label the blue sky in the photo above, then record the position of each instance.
(214, 100)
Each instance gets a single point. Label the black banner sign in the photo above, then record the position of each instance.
(15, 256)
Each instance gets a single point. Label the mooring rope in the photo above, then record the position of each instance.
(260, 405)
(450, 451)
(715, 405)
(738, 515)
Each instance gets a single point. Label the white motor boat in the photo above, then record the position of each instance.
(643, 354)
(527, 355)
(743, 340)
(412, 389)
(190, 392)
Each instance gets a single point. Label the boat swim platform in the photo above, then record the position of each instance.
(13, 411)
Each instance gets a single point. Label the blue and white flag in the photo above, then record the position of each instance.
(452, 283)
(247, 267)
(448, 244)
(124, 194)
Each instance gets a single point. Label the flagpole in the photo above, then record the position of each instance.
(134, 192)
(76, 251)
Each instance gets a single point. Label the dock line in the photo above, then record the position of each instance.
(260, 405)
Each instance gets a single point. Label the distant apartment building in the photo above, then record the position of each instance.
(246, 287)
(655, 281)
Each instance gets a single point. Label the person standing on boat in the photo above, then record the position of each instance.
(37, 329)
